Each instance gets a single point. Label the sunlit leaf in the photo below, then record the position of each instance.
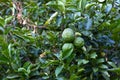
(88, 6)
(82, 4)
(108, 8)
(93, 55)
(58, 70)
(105, 73)
(12, 76)
(82, 61)
(112, 64)
(74, 77)
(59, 4)
(67, 50)
(101, 0)
(2, 21)
(103, 66)
(116, 70)
(101, 60)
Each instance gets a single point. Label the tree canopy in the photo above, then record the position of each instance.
(59, 39)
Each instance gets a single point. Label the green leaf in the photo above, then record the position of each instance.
(59, 4)
(51, 36)
(49, 62)
(3, 59)
(112, 64)
(58, 70)
(29, 69)
(64, 1)
(4, 47)
(116, 29)
(81, 70)
(103, 66)
(74, 77)
(101, 60)
(67, 50)
(26, 64)
(105, 73)
(2, 21)
(1, 30)
(22, 70)
(12, 76)
(71, 57)
(108, 8)
(14, 66)
(51, 18)
(10, 50)
(95, 69)
(101, 0)
(8, 19)
(61, 78)
(82, 4)
(4, 1)
(82, 61)
(116, 70)
(89, 5)
(66, 54)
(93, 55)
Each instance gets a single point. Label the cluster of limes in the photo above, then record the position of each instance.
(72, 39)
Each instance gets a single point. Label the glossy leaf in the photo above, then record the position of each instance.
(58, 70)
(68, 50)
(93, 55)
(82, 4)
(12, 76)
(2, 22)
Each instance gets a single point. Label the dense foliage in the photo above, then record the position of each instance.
(59, 39)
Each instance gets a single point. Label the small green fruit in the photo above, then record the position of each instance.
(68, 35)
(67, 46)
(79, 42)
(103, 54)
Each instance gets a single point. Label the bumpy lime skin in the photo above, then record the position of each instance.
(67, 46)
(79, 42)
(68, 35)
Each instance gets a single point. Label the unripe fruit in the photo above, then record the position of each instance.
(68, 35)
(67, 46)
(103, 54)
(79, 42)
